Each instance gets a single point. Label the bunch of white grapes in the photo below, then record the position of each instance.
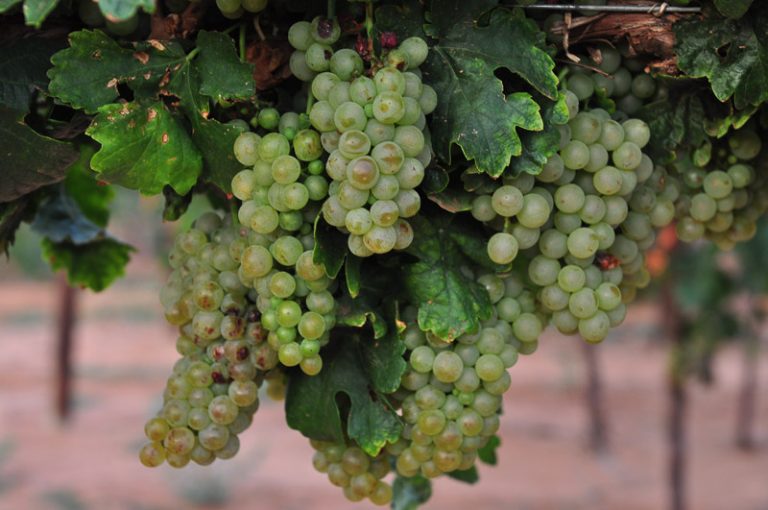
(213, 391)
(280, 199)
(374, 131)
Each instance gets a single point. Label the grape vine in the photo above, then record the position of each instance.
(406, 194)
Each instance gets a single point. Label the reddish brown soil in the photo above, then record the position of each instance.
(124, 350)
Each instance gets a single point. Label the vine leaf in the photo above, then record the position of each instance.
(538, 146)
(487, 453)
(33, 159)
(330, 247)
(12, 214)
(450, 303)
(732, 55)
(473, 111)
(35, 11)
(23, 66)
(679, 123)
(732, 8)
(144, 148)
(60, 219)
(91, 196)
(342, 393)
(222, 73)
(409, 493)
(86, 74)
(117, 10)
(213, 139)
(469, 475)
(94, 265)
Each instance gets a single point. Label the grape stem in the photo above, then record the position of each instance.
(369, 28)
(310, 102)
(331, 9)
(241, 41)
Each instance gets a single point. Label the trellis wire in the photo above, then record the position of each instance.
(659, 8)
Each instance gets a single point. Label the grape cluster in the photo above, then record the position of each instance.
(234, 9)
(623, 80)
(374, 131)
(212, 393)
(358, 474)
(721, 194)
(280, 201)
(583, 223)
(452, 391)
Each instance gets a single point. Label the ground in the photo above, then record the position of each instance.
(124, 352)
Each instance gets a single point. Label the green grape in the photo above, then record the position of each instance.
(583, 242)
(300, 35)
(346, 64)
(581, 85)
(502, 248)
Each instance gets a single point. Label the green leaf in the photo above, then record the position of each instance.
(7, 4)
(144, 148)
(538, 146)
(117, 10)
(436, 179)
(410, 493)
(450, 304)
(319, 406)
(60, 219)
(352, 275)
(31, 160)
(12, 214)
(35, 11)
(732, 8)
(94, 265)
(453, 200)
(222, 74)
(175, 205)
(330, 247)
(91, 196)
(23, 66)
(356, 313)
(732, 55)
(86, 74)
(214, 139)
(473, 110)
(674, 123)
(469, 476)
(487, 453)
(384, 359)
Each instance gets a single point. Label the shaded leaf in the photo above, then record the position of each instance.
(12, 214)
(410, 493)
(91, 196)
(538, 146)
(175, 204)
(33, 159)
(60, 219)
(473, 110)
(330, 247)
(469, 476)
(342, 394)
(732, 55)
(23, 66)
(732, 8)
(222, 74)
(450, 303)
(487, 453)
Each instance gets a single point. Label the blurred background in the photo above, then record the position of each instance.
(671, 409)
